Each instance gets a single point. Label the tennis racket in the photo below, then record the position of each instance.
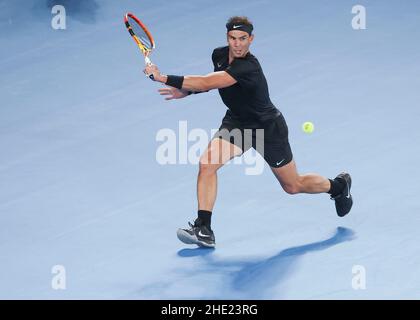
(142, 37)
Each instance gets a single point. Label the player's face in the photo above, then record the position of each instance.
(239, 42)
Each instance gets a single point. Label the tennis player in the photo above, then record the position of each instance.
(243, 88)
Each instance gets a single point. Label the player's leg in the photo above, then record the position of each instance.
(339, 187)
(292, 182)
(278, 154)
(275, 148)
(214, 157)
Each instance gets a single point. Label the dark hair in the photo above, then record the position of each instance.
(239, 20)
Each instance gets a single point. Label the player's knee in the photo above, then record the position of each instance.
(291, 188)
(206, 168)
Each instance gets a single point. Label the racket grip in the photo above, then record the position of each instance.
(148, 62)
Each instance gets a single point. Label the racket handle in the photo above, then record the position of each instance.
(148, 62)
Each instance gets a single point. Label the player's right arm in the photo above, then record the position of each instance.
(214, 80)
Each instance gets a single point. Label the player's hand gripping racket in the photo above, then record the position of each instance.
(141, 36)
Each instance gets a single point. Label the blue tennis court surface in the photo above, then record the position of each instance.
(88, 212)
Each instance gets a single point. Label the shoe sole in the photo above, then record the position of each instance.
(186, 238)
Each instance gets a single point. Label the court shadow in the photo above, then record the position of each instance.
(252, 279)
(258, 276)
(185, 253)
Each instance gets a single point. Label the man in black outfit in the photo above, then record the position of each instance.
(243, 88)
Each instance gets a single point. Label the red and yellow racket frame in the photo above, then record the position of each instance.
(146, 51)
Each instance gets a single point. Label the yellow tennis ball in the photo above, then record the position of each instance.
(308, 127)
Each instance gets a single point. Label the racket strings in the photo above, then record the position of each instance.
(141, 35)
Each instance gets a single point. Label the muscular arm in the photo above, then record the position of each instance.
(214, 80)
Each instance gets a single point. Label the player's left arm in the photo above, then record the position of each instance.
(214, 80)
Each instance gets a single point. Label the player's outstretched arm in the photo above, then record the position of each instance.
(214, 80)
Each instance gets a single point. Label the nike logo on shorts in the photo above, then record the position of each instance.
(279, 163)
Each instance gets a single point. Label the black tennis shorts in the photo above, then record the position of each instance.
(270, 139)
